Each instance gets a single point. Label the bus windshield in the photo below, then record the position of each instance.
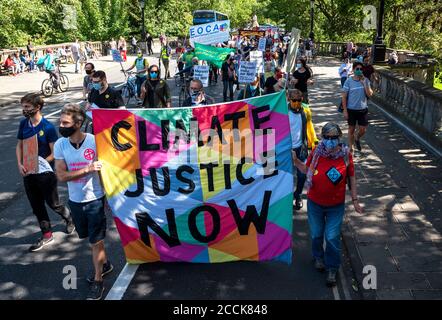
(207, 16)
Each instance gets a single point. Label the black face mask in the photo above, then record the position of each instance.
(67, 131)
(88, 71)
(29, 113)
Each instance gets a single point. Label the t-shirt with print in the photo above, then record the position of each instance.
(356, 97)
(46, 134)
(89, 187)
(329, 180)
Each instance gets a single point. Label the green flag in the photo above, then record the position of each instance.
(212, 54)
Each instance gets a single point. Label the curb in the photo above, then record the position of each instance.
(355, 259)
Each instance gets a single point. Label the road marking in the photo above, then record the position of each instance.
(411, 132)
(336, 293)
(124, 278)
(79, 102)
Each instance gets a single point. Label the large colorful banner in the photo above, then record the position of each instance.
(200, 184)
(210, 33)
(211, 54)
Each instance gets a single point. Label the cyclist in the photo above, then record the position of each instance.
(155, 93)
(102, 95)
(141, 64)
(188, 70)
(48, 63)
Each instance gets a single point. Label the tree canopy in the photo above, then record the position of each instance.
(408, 24)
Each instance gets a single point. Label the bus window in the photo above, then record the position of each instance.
(200, 17)
(220, 17)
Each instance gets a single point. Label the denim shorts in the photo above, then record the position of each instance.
(89, 219)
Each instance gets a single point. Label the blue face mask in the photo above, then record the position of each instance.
(330, 144)
(252, 87)
(153, 75)
(96, 86)
(299, 65)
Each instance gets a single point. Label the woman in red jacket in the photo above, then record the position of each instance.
(328, 168)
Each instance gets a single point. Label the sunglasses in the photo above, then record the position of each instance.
(358, 69)
(154, 71)
(330, 137)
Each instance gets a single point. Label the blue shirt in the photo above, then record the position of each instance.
(356, 97)
(45, 132)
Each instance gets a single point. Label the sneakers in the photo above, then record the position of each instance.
(95, 291)
(107, 268)
(319, 265)
(298, 203)
(358, 145)
(331, 278)
(70, 227)
(41, 243)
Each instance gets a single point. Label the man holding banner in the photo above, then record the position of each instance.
(197, 95)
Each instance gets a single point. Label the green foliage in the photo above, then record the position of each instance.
(408, 24)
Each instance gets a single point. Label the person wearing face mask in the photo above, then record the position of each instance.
(251, 90)
(76, 163)
(302, 77)
(35, 165)
(228, 74)
(102, 95)
(328, 169)
(303, 137)
(155, 92)
(89, 68)
(197, 95)
(271, 80)
(355, 92)
(141, 64)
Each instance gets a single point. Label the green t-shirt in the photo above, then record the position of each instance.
(187, 58)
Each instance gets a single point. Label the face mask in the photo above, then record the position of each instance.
(29, 113)
(140, 55)
(299, 65)
(67, 131)
(252, 87)
(96, 86)
(88, 71)
(358, 73)
(153, 75)
(331, 144)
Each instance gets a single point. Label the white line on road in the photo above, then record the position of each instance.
(336, 293)
(120, 286)
(411, 132)
(79, 102)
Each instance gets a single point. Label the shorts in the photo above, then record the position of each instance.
(359, 117)
(89, 219)
(308, 53)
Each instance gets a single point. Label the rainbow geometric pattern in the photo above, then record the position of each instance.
(173, 202)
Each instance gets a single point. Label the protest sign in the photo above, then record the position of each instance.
(251, 33)
(116, 56)
(179, 193)
(212, 54)
(30, 154)
(289, 64)
(201, 73)
(210, 33)
(256, 56)
(262, 44)
(247, 72)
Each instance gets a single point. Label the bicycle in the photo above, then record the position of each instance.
(184, 90)
(48, 85)
(129, 89)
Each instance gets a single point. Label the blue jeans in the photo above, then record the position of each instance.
(326, 222)
(139, 81)
(343, 79)
(300, 177)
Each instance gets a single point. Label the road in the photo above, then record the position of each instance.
(40, 275)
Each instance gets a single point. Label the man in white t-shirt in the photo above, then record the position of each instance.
(76, 163)
(75, 49)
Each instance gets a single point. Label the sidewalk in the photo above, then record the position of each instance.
(400, 185)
